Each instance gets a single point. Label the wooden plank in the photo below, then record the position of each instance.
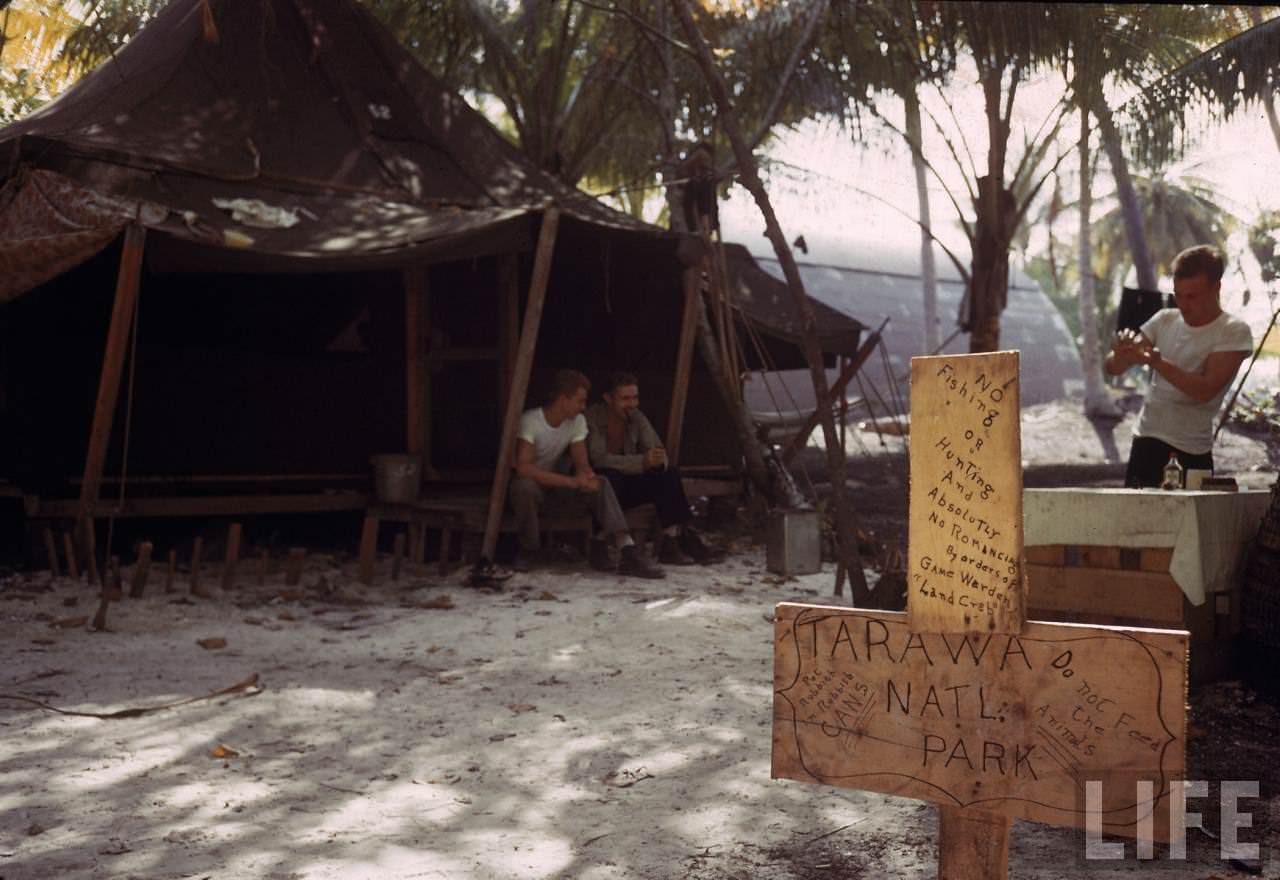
(1045, 554)
(695, 487)
(462, 353)
(508, 323)
(965, 521)
(972, 844)
(415, 294)
(1134, 595)
(233, 556)
(141, 571)
(1012, 724)
(217, 505)
(128, 281)
(691, 281)
(520, 377)
(1155, 558)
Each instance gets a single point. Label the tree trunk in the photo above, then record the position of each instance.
(752, 450)
(928, 269)
(993, 227)
(1128, 196)
(846, 526)
(1097, 400)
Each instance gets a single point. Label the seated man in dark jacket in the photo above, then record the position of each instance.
(625, 449)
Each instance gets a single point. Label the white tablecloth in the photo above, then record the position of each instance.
(1208, 531)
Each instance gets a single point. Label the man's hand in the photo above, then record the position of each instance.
(655, 459)
(1130, 348)
(587, 482)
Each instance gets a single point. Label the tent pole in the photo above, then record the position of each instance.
(851, 367)
(691, 277)
(417, 439)
(520, 378)
(508, 323)
(128, 281)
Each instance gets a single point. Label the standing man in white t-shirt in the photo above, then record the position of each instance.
(1194, 352)
(552, 466)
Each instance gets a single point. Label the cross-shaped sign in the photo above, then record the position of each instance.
(961, 701)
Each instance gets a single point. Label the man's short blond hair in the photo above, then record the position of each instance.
(1203, 259)
(566, 383)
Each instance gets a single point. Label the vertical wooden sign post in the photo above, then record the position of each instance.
(961, 701)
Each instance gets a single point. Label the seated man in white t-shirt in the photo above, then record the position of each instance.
(1194, 352)
(552, 467)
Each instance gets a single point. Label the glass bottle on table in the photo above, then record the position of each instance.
(1173, 473)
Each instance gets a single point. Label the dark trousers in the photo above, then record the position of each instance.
(1147, 459)
(661, 488)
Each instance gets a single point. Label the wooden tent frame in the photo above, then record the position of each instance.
(516, 349)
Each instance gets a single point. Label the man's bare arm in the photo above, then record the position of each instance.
(583, 474)
(1218, 370)
(527, 467)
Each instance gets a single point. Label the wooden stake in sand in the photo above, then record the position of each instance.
(141, 571)
(233, 556)
(960, 701)
(73, 570)
(293, 571)
(197, 551)
(397, 556)
(172, 572)
(52, 550)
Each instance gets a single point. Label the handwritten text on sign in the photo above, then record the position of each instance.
(966, 494)
(1008, 723)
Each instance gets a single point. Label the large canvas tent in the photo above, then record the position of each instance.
(261, 243)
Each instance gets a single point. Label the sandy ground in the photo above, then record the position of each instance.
(574, 725)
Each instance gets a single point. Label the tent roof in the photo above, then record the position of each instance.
(306, 105)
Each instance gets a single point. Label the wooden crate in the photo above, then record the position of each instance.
(1131, 586)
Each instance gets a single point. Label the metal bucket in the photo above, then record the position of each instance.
(794, 542)
(397, 477)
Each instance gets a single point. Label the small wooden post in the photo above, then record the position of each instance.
(691, 278)
(520, 378)
(91, 551)
(368, 547)
(397, 555)
(140, 571)
(508, 324)
(197, 551)
(172, 571)
(73, 570)
(972, 844)
(52, 550)
(233, 556)
(113, 584)
(293, 572)
(126, 300)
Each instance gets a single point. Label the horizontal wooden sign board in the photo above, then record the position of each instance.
(1009, 723)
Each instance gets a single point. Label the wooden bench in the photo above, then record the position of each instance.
(465, 515)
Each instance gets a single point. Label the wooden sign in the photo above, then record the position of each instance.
(960, 701)
(1015, 724)
(965, 524)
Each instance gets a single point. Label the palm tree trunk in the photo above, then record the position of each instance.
(928, 269)
(1128, 196)
(845, 517)
(1097, 400)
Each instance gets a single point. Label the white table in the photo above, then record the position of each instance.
(1208, 531)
